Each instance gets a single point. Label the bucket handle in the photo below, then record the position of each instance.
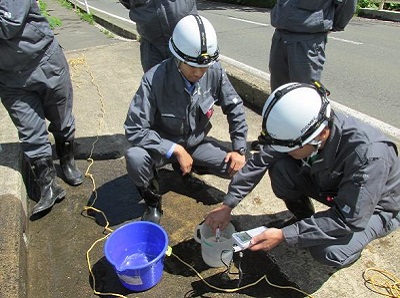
(197, 234)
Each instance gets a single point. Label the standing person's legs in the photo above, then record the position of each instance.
(278, 62)
(150, 55)
(306, 59)
(278, 69)
(27, 114)
(52, 82)
(347, 250)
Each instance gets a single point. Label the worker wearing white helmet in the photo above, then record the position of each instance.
(312, 152)
(170, 116)
(197, 50)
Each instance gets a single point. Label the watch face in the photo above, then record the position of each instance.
(242, 151)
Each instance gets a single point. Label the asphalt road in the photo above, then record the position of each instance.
(362, 68)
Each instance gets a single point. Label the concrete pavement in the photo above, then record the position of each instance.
(46, 258)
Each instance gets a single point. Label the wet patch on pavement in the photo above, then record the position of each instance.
(59, 242)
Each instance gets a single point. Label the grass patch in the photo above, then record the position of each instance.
(83, 15)
(53, 21)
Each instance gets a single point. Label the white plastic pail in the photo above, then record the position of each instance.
(215, 254)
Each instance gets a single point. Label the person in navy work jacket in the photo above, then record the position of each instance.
(35, 86)
(169, 117)
(301, 33)
(311, 151)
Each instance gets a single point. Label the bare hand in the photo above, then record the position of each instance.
(236, 162)
(267, 240)
(220, 217)
(184, 159)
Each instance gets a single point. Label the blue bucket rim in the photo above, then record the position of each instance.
(156, 259)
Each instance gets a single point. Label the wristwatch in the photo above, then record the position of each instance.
(241, 151)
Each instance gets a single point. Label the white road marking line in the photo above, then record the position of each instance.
(247, 21)
(345, 40)
(107, 13)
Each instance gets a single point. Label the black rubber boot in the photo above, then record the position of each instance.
(50, 193)
(153, 200)
(32, 188)
(302, 208)
(65, 152)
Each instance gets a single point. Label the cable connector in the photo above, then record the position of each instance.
(236, 248)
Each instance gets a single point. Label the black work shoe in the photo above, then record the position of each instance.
(281, 223)
(193, 182)
(152, 214)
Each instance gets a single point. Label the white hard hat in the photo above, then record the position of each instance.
(194, 41)
(294, 114)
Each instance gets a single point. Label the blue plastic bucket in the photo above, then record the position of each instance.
(137, 251)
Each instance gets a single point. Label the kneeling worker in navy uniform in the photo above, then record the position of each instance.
(310, 151)
(169, 117)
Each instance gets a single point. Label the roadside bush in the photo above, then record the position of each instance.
(375, 4)
(366, 4)
(392, 6)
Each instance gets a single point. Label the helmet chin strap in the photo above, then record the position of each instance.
(317, 146)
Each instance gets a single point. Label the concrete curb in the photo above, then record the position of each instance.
(386, 15)
(13, 248)
(13, 210)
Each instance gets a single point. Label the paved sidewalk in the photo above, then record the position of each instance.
(46, 258)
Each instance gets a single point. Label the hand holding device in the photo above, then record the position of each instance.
(242, 239)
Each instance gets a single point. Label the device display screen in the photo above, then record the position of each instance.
(244, 237)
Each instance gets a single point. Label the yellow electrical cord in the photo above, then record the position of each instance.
(239, 288)
(382, 282)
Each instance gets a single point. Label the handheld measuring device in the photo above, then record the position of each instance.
(242, 239)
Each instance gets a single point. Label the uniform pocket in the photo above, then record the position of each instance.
(172, 125)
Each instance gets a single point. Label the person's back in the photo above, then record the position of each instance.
(298, 45)
(25, 35)
(307, 16)
(155, 21)
(297, 51)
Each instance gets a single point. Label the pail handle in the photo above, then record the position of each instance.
(197, 234)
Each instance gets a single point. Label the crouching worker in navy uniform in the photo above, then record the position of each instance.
(310, 151)
(169, 117)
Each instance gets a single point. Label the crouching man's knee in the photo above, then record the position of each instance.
(338, 256)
